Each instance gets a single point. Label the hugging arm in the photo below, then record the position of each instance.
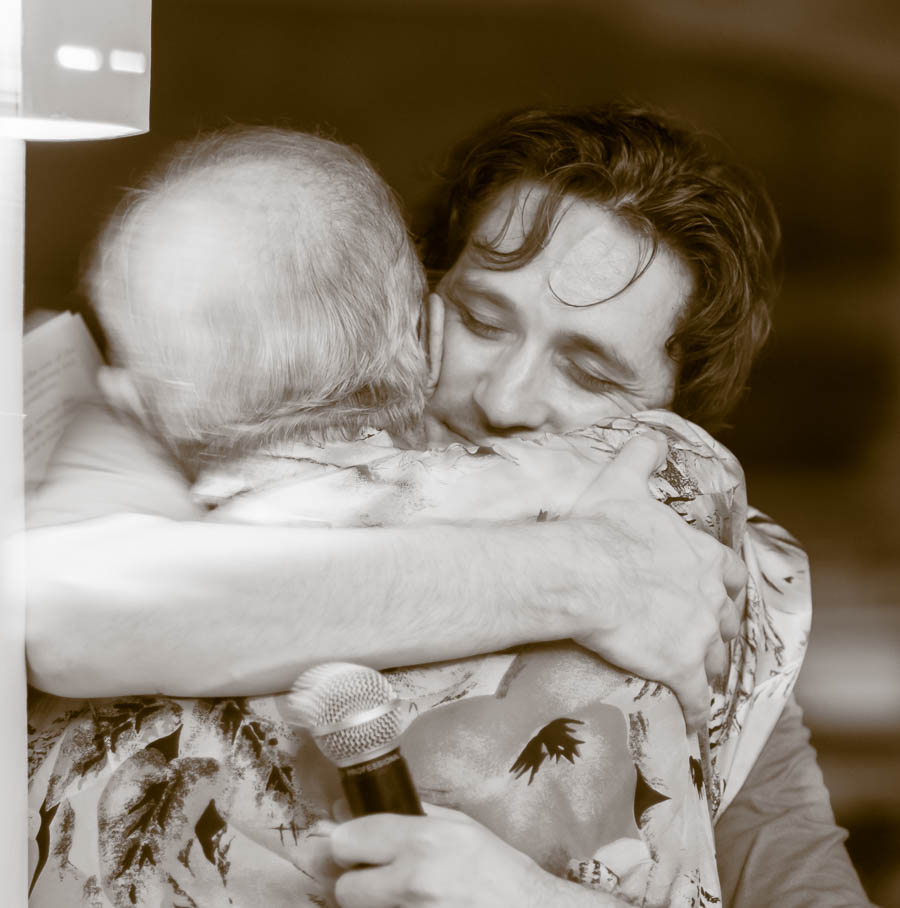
(131, 592)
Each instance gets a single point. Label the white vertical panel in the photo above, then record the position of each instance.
(13, 815)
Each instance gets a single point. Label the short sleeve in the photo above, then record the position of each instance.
(778, 842)
(107, 464)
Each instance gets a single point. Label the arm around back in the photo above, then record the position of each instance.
(131, 592)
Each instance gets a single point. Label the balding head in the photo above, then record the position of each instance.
(264, 287)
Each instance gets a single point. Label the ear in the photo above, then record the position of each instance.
(432, 334)
(120, 392)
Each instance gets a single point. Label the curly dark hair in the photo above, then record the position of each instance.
(666, 182)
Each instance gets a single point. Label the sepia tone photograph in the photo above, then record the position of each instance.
(450, 453)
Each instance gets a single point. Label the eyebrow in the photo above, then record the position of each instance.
(579, 343)
(500, 300)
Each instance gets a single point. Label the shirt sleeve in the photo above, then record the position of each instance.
(778, 842)
(106, 464)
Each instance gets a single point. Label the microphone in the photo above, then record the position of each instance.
(354, 716)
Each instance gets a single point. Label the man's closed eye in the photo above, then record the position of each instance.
(478, 327)
(596, 384)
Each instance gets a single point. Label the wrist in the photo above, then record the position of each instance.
(575, 566)
(540, 587)
(504, 584)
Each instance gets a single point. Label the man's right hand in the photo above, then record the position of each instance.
(672, 595)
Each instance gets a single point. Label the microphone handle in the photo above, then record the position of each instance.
(381, 785)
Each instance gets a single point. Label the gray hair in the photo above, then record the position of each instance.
(263, 287)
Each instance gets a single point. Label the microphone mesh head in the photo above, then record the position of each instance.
(357, 699)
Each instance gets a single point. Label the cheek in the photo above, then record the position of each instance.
(459, 365)
(574, 408)
(661, 374)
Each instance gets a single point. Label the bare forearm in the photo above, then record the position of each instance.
(134, 603)
(131, 591)
(142, 604)
(146, 596)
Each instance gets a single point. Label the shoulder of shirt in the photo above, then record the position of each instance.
(105, 463)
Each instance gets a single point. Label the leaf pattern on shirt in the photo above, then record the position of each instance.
(554, 740)
(105, 733)
(196, 802)
(146, 814)
(255, 746)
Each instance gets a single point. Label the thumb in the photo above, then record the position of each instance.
(636, 460)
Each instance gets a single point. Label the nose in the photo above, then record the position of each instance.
(511, 396)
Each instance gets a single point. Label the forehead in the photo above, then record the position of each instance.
(593, 268)
(589, 253)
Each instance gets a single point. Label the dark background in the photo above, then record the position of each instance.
(806, 92)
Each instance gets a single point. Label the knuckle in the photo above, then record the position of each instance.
(347, 890)
(339, 844)
(710, 589)
(696, 641)
(420, 884)
(430, 839)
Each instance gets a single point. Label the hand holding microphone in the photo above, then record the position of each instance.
(355, 718)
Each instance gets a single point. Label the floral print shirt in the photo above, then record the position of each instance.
(164, 801)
